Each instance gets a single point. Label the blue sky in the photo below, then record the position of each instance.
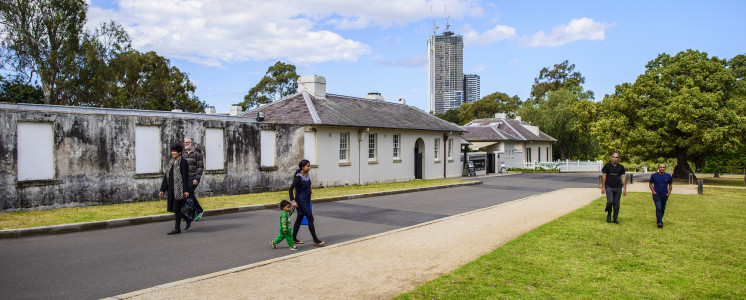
(380, 46)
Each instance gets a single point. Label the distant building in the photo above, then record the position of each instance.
(471, 88)
(446, 71)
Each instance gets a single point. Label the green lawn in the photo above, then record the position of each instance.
(699, 254)
(25, 219)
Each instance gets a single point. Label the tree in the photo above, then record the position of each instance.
(17, 91)
(41, 37)
(486, 107)
(148, 81)
(683, 106)
(280, 81)
(559, 114)
(561, 76)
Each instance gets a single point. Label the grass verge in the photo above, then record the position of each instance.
(699, 254)
(25, 219)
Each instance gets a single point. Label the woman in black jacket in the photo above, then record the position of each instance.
(176, 184)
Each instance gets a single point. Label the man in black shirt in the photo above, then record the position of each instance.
(615, 184)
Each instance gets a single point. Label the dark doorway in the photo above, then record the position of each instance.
(418, 147)
(490, 163)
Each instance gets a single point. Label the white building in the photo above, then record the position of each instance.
(351, 140)
(511, 141)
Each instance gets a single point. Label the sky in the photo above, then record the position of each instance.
(226, 46)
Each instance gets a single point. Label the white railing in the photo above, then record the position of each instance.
(567, 165)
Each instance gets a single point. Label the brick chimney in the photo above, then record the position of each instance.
(313, 84)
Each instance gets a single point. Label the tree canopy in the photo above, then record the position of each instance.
(486, 107)
(563, 75)
(280, 81)
(45, 39)
(683, 106)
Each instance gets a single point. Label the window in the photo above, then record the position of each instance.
(344, 139)
(268, 148)
(35, 151)
(214, 155)
(371, 146)
(547, 153)
(450, 149)
(147, 139)
(309, 146)
(437, 146)
(539, 153)
(397, 145)
(528, 154)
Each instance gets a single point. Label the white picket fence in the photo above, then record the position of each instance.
(567, 165)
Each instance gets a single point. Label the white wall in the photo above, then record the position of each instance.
(147, 145)
(386, 168)
(35, 151)
(214, 149)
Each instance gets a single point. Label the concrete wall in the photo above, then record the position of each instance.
(94, 155)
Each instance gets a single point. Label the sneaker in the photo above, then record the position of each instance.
(199, 216)
(660, 225)
(272, 243)
(294, 248)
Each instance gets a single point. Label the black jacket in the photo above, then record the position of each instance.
(196, 163)
(167, 185)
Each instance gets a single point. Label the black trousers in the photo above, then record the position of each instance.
(197, 208)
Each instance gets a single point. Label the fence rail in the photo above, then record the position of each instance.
(567, 165)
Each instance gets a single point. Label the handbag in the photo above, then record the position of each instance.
(188, 210)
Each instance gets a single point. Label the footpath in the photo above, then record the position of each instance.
(384, 265)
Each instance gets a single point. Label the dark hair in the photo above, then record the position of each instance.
(284, 203)
(177, 148)
(302, 164)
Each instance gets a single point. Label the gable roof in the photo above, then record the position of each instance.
(337, 110)
(503, 130)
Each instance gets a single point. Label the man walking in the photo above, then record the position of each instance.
(661, 184)
(196, 166)
(614, 186)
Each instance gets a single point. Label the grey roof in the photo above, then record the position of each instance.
(338, 110)
(502, 130)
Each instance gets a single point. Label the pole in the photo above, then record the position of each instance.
(600, 181)
(699, 186)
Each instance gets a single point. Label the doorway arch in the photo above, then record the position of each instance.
(419, 158)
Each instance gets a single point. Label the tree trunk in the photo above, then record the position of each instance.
(717, 170)
(682, 169)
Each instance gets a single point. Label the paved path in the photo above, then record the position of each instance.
(103, 263)
(386, 264)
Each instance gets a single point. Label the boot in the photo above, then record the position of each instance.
(175, 231)
(189, 224)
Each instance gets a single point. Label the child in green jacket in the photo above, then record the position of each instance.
(286, 232)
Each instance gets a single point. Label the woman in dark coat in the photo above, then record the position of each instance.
(176, 184)
(302, 201)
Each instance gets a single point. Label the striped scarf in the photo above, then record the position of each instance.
(178, 181)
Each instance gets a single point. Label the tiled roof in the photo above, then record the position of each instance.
(337, 110)
(479, 130)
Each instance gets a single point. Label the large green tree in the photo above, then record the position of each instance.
(558, 113)
(280, 81)
(683, 106)
(486, 107)
(40, 38)
(562, 75)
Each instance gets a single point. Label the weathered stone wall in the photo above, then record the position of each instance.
(94, 155)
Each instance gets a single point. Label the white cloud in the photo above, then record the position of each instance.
(497, 33)
(214, 32)
(578, 29)
(479, 68)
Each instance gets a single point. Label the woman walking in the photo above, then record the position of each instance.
(301, 200)
(176, 184)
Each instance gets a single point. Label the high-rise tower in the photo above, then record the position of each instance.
(471, 88)
(446, 71)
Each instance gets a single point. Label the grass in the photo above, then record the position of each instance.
(699, 254)
(57, 216)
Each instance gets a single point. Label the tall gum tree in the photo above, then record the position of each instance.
(683, 106)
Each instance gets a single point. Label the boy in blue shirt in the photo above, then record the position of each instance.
(661, 184)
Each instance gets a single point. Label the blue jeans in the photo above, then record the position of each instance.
(613, 197)
(660, 206)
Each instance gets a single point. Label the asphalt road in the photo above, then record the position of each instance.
(103, 263)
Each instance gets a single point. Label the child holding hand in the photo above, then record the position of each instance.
(286, 232)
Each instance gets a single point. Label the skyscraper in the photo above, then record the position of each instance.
(446, 71)
(471, 88)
